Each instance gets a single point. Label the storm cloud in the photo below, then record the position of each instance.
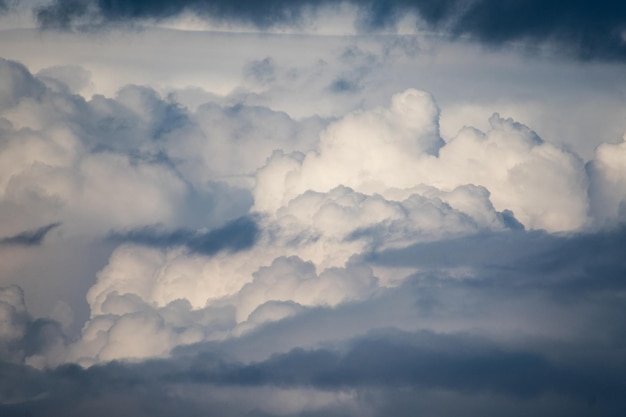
(312, 208)
(579, 28)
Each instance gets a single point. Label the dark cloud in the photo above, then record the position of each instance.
(587, 30)
(590, 29)
(29, 238)
(389, 360)
(237, 235)
(521, 252)
(62, 13)
(423, 359)
(344, 85)
(490, 338)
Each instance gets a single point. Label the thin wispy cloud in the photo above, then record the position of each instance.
(29, 238)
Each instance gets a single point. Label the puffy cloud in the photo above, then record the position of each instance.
(383, 150)
(254, 257)
(232, 141)
(377, 180)
(498, 337)
(291, 279)
(543, 185)
(331, 227)
(85, 163)
(178, 298)
(368, 151)
(320, 231)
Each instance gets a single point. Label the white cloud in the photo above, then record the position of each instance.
(378, 205)
(608, 184)
(375, 180)
(399, 148)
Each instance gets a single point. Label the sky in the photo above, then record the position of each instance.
(312, 208)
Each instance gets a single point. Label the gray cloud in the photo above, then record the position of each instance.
(581, 261)
(527, 330)
(585, 30)
(345, 85)
(237, 235)
(263, 14)
(24, 339)
(29, 238)
(521, 290)
(307, 310)
(262, 71)
(381, 363)
(423, 359)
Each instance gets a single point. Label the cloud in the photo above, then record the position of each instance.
(85, 163)
(291, 279)
(362, 375)
(262, 71)
(497, 335)
(29, 238)
(71, 77)
(570, 265)
(587, 31)
(237, 235)
(326, 213)
(36, 342)
(17, 82)
(257, 263)
(608, 181)
(62, 13)
(498, 284)
(424, 359)
(520, 288)
(392, 151)
(581, 30)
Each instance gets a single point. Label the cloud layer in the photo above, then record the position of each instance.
(583, 30)
(306, 240)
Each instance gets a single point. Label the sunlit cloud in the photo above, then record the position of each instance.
(312, 208)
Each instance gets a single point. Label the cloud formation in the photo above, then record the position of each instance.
(494, 340)
(298, 236)
(580, 29)
(392, 151)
